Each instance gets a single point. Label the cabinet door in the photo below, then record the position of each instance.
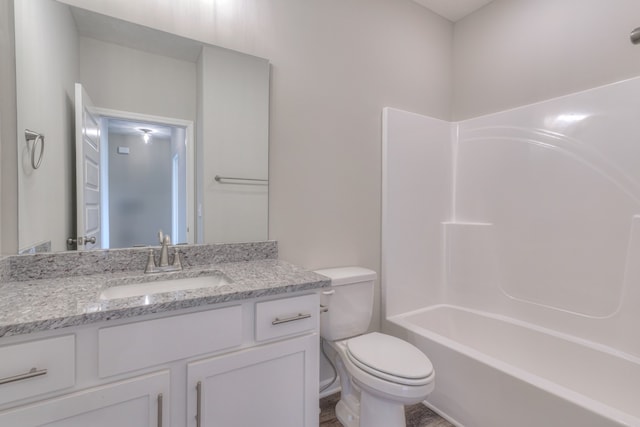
(138, 402)
(274, 385)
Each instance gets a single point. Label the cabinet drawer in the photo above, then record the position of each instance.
(287, 316)
(36, 367)
(144, 344)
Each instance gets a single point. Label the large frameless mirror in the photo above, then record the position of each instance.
(141, 130)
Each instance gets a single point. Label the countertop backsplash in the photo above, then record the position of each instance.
(82, 263)
(5, 273)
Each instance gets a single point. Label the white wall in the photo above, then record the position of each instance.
(233, 142)
(126, 79)
(515, 52)
(335, 65)
(46, 53)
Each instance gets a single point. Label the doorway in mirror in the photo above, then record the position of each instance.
(140, 182)
(145, 183)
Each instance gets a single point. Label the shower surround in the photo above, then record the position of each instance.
(511, 257)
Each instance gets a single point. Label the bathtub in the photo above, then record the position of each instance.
(494, 371)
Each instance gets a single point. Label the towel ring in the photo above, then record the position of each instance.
(35, 137)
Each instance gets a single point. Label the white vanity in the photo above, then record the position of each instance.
(239, 362)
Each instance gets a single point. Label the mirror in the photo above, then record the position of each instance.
(151, 80)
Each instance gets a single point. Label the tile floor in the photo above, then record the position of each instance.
(417, 415)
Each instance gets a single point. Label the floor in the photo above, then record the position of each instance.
(417, 415)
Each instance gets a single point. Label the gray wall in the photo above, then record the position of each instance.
(233, 131)
(126, 79)
(516, 52)
(139, 190)
(47, 68)
(8, 151)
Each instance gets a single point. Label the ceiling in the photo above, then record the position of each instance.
(127, 127)
(453, 10)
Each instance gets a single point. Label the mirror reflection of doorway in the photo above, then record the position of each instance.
(144, 168)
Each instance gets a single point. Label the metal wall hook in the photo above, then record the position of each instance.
(36, 137)
(635, 36)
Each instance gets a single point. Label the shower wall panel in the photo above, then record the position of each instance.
(416, 197)
(531, 213)
(560, 183)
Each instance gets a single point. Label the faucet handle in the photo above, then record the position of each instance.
(160, 236)
(151, 262)
(177, 263)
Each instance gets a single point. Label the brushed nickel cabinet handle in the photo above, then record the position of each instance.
(300, 316)
(31, 374)
(199, 404)
(160, 410)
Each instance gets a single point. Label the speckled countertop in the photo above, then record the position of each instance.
(56, 302)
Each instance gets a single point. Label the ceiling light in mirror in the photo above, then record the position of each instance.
(146, 135)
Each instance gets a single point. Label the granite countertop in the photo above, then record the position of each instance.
(54, 303)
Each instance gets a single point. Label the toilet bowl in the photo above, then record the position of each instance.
(385, 380)
(379, 373)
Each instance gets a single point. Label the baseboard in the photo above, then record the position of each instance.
(442, 414)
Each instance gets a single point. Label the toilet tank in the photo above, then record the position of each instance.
(349, 302)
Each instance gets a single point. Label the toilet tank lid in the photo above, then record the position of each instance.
(347, 275)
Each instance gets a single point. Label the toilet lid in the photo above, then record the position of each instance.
(390, 358)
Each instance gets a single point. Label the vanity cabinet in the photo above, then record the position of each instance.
(136, 402)
(36, 367)
(267, 385)
(251, 362)
(272, 384)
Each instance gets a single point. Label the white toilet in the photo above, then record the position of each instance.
(379, 374)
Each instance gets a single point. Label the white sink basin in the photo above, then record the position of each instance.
(209, 280)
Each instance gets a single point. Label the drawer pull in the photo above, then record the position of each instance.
(300, 316)
(31, 374)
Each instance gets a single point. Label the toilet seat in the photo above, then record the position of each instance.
(390, 358)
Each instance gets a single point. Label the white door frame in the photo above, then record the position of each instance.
(190, 148)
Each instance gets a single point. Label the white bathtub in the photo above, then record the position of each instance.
(493, 371)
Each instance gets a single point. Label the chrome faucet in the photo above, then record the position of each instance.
(163, 264)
